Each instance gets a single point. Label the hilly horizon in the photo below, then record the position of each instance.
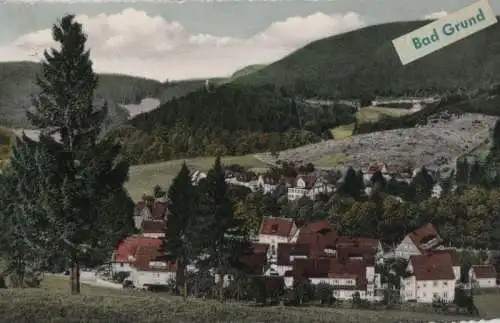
(364, 62)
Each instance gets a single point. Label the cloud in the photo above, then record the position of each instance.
(436, 15)
(133, 42)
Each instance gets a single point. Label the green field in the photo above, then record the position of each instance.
(367, 114)
(332, 160)
(53, 303)
(144, 177)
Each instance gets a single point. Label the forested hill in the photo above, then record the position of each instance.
(231, 120)
(364, 62)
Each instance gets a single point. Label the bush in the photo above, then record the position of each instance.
(324, 293)
(120, 276)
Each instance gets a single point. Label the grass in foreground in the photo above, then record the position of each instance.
(144, 177)
(367, 114)
(53, 303)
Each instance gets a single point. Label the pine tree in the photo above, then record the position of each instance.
(77, 176)
(352, 184)
(221, 236)
(182, 210)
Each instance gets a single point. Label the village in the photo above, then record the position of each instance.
(286, 252)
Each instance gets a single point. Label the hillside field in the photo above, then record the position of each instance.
(142, 178)
(53, 303)
(367, 114)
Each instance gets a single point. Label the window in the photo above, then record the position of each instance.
(121, 264)
(445, 283)
(423, 294)
(435, 283)
(445, 295)
(423, 285)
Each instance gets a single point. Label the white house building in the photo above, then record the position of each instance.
(267, 183)
(431, 278)
(309, 186)
(483, 276)
(151, 268)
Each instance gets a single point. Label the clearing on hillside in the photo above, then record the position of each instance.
(144, 177)
(435, 145)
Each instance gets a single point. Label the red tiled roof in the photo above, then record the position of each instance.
(432, 267)
(365, 253)
(153, 226)
(276, 226)
(300, 249)
(455, 258)
(159, 211)
(147, 254)
(255, 262)
(362, 242)
(260, 248)
(420, 235)
(484, 271)
(128, 247)
(373, 168)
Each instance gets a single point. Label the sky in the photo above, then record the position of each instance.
(187, 39)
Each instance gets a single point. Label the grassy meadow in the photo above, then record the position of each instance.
(144, 177)
(53, 303)
(367, 114)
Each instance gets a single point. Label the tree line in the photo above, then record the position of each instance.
(231, 120)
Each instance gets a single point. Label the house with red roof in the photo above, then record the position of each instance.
(483, 276)
(347, 277)
(125, 253)
(151, 267)
(424, 239)
(274, 231)
(431, 278)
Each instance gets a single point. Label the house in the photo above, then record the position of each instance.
(276, 230)
(151, 268)
(309, 186)
(347, 278)
(125, 253)
(268, 182)
(153, 228)
(149, 209)
(197, 176)
(425, 238)
(374, 168)
(320, 238)
(431, 278)
(483, 276)
(247, 179)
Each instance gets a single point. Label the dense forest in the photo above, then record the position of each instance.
(229, 120)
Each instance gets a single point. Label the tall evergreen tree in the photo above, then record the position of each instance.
(182, 209)
(78, 176)
(352, 184)
(221, 236)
